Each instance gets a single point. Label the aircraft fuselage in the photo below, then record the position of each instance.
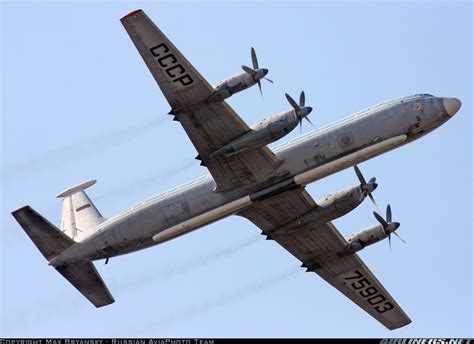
(304, 160)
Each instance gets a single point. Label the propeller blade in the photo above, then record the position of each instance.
(359, 175)
(306, 118)
(362, 181)
(292, 102)
(389, 213)
(399, 237)
(381, 220)
(390, 242)
(372, 199)
(269, 80)
(254, 58)
(260, 88)
(301, 126)
(302, 99)
(249, 70)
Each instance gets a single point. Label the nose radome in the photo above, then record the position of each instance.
(451, 105)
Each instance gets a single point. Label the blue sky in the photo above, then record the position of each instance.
(79, 103)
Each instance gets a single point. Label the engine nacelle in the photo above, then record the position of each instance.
(226, 88)
(261, 134)
(329, 208)
(365, 237)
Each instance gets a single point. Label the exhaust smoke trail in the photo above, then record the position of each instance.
(204, 260)
(117, 192)
(223, 299)
(147, 182)
(82, 148)
(21, 316)
(189, 265)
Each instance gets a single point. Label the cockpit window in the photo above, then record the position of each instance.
(424, 95)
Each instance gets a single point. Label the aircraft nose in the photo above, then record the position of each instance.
(451, 105)
(265, 71)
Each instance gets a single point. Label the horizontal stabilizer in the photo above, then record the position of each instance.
(46, 236)
(51, 242)
(86, 279)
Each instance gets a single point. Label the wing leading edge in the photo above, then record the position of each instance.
(285, 219)
(210, 126)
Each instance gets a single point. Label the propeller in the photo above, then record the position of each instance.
(367, 188)
(256, 73)
(301, 111)
(389, 227)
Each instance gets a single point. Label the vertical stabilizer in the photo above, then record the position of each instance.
(80, 216)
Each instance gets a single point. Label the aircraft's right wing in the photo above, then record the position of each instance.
(285, 219)
(210, 126)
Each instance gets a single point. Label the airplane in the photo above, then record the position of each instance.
(247, 179)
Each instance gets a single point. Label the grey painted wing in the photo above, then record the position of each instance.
(317, 246)
(209, 125)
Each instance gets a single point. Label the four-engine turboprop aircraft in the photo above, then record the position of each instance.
(247, 179)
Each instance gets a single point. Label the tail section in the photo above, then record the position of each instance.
(46, 236)
(51, 242)
(86, 279)
(80, 216)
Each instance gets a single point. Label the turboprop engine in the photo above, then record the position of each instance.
(335, 205)
(251, 76)
(342, 202)
(371, 235)
(268, 130)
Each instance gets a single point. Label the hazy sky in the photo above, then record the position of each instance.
(79, 103)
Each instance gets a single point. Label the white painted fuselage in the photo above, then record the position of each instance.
(306, 159)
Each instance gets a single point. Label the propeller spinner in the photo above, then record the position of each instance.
(301, 111)
(388, 226)
(256, 72)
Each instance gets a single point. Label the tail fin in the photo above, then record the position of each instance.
(80, 216)
(51, 242)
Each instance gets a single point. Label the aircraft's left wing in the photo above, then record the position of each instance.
(210, 126)
(285, 219)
